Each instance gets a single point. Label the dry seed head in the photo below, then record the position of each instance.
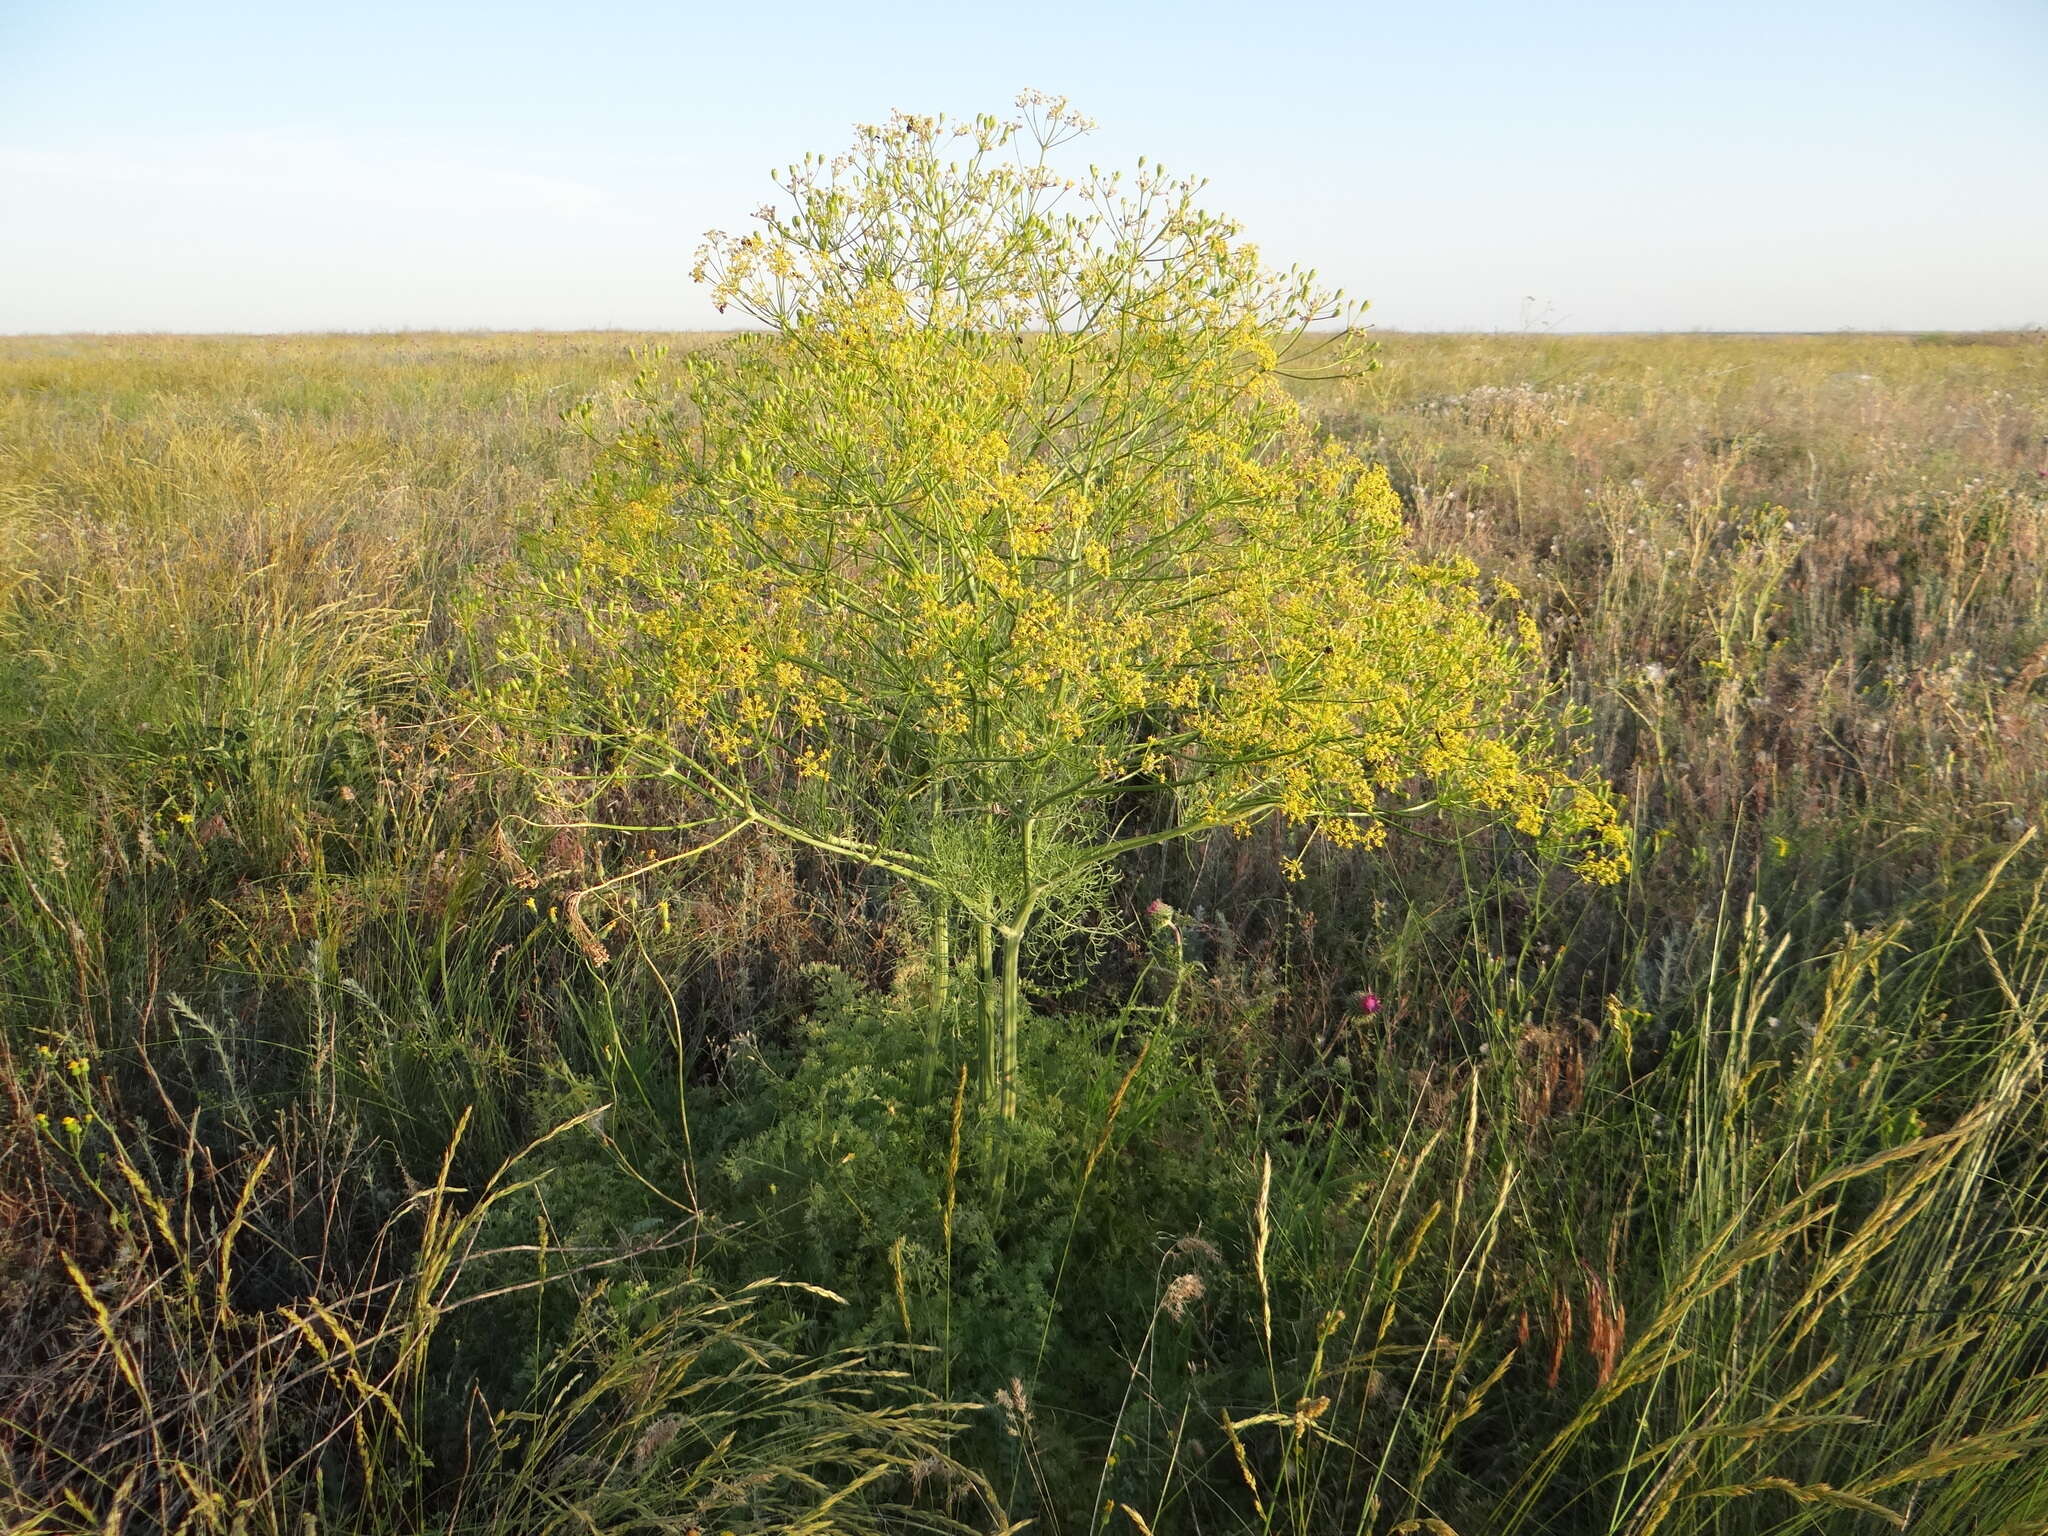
(656, 1439)
(1016, 1406)
(1606, 1327)
(1184, 1291)
(586, 938)
(1560, 1336)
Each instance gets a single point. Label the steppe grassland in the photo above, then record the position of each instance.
(1799, 585)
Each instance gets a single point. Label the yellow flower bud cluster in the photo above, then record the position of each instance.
(1007, 516)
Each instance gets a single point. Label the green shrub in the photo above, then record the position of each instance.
(1005, 554)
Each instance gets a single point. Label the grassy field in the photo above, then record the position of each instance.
(353, 1179)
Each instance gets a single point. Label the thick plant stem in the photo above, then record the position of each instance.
(942, 956)
(1012, 1007)
(986, 1002)
(985, 1006)
(942, 991)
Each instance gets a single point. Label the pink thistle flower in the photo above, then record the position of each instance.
(1368, 1002)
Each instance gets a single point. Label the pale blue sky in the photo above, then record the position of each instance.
(1669, 164)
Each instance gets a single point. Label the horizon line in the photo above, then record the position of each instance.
(2037, 330)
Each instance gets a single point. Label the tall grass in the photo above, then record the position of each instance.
(1712, 1205)
(213, 1356)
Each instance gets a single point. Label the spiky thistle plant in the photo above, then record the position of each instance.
(1001, 551)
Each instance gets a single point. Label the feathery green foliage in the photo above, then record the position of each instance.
(1006, 554)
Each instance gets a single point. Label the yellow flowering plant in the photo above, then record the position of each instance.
(1000, 550)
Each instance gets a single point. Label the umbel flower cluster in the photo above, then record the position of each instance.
(999, 549)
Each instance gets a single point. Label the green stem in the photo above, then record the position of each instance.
(985, 1007)
(1012, 1008)
(942, 991)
